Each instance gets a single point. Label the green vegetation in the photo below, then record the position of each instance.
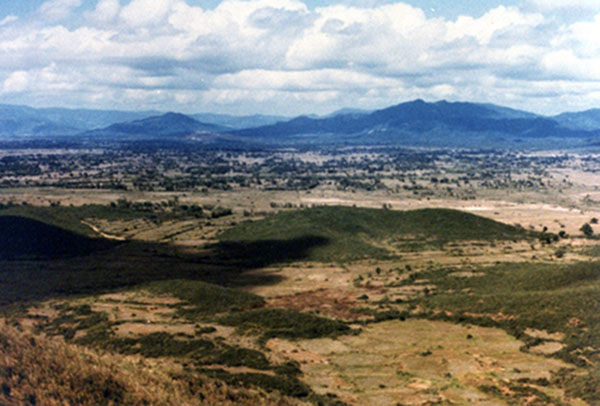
(286, 385)
(286, 324)
(587, 230)
(206, 298)
(536, 295)
(348, 233)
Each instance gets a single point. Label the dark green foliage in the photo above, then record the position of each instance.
(236, 356)
(291, 368)
(161, 344)
(286, 323)
(344, 233)
(205, 297)
(220, 212)
(587, 230)
(286, 385)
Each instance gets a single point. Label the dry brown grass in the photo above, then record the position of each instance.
(37, 371)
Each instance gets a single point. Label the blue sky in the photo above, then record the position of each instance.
(299, 56)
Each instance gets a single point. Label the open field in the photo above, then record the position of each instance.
(326, 295)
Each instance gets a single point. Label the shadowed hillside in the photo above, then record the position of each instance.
(25, 238)
(39, 260)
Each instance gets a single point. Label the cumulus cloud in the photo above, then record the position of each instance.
(495, 21)
(146, 12)
(105, 12)
(282, 54)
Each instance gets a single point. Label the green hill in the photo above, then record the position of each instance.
(348, 233)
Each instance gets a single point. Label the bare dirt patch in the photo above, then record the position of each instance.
(544, 335)
(547, 348)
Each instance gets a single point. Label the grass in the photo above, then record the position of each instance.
(348, 233)
(37, 371)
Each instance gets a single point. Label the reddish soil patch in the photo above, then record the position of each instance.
(329, 302)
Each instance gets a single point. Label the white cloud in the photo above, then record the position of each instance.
(281, 54)
(493, 22)
(17, 82)
(566, 64)
(54, 10)
(8, 19)
(145, 12)
(105, 12)
(582, 37)
(292, 81)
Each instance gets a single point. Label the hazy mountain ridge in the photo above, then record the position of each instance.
(442, 124)
(166, 125)
(25, 121)
(583, 120)
(19, 121)
(417, 123)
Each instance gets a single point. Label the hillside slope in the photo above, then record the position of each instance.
(348, 233)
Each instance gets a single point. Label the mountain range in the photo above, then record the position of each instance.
(415, 123)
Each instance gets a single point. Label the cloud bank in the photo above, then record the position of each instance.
(281, 56)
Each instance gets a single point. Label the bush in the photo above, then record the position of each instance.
(587, 230)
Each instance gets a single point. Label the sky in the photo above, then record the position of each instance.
(292, 57)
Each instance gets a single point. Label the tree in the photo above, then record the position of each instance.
(587, 230)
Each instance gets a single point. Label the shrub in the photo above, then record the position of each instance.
(587, 230)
